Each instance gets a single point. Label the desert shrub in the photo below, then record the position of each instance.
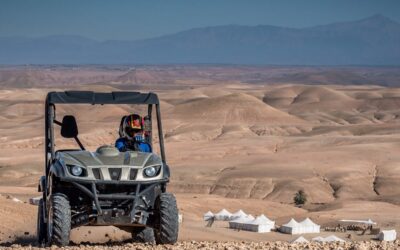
(300, 198)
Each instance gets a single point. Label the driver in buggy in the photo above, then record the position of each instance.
(132, 135)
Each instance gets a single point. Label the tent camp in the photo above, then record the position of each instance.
(207, 216)
(223, 215)
(300, 239)
(308, 226)
(292, 227)
(261, 224)
(331, 238)
(387, 235)
(238, 214)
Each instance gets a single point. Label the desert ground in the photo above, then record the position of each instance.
(241, 143)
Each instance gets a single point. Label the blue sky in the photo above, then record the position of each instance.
(131, 19)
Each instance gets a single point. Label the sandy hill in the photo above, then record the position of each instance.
(295, 95)
(233, 108)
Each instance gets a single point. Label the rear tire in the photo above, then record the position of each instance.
(168, 220)
(59, 222)
(41, 229)
(143, 235)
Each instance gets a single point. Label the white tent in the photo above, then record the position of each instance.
(262, 219)
(319, 239)
(387, 235)
(301, 239)
(238, 223)
(238, 214)
(261, 224)
(207, 216)
(292, 227)
(331, 238)
(223, 215)
(304, 227)
(367, 222)
(308, 226)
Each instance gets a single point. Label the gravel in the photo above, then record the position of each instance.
(205, 245)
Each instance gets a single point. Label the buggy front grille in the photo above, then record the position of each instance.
(97, 173)
(115, 173)
(133, 174)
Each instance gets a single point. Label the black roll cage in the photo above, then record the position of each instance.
(95, 98)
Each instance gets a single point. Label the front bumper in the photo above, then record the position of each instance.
(141, 198)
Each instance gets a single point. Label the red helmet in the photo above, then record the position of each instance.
(132, 124)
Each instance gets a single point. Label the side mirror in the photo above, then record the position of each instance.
(69, 128)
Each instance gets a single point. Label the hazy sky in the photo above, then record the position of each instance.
(131, 19)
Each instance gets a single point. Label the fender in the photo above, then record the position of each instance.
(166, 172)
(42, 184)
(57, 170)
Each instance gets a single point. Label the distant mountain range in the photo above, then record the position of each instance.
(371, 41)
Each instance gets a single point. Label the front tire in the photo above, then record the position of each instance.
(167, 228)
(41, 228)
(59, 220)
(143, 235)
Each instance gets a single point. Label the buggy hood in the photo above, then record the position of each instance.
(108, 156)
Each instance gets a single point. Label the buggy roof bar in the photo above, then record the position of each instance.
(91, 97)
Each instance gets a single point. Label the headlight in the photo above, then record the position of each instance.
(76, 170)
(151, 171)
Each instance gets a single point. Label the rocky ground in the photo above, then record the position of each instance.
(230, 246)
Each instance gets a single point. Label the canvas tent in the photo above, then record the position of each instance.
(300, 239)
(292, 227)
(331, 238)
(318, 238)
(308, 226)
(238, 223)
(207, 216)
(387, 235)
(304, 227)
(367, 222)
(261, 224)
(223, 215)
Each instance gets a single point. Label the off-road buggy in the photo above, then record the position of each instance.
(105, 187)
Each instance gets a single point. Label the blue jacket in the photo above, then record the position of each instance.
(123, 145)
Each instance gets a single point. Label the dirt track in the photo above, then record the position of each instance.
(233, 246)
